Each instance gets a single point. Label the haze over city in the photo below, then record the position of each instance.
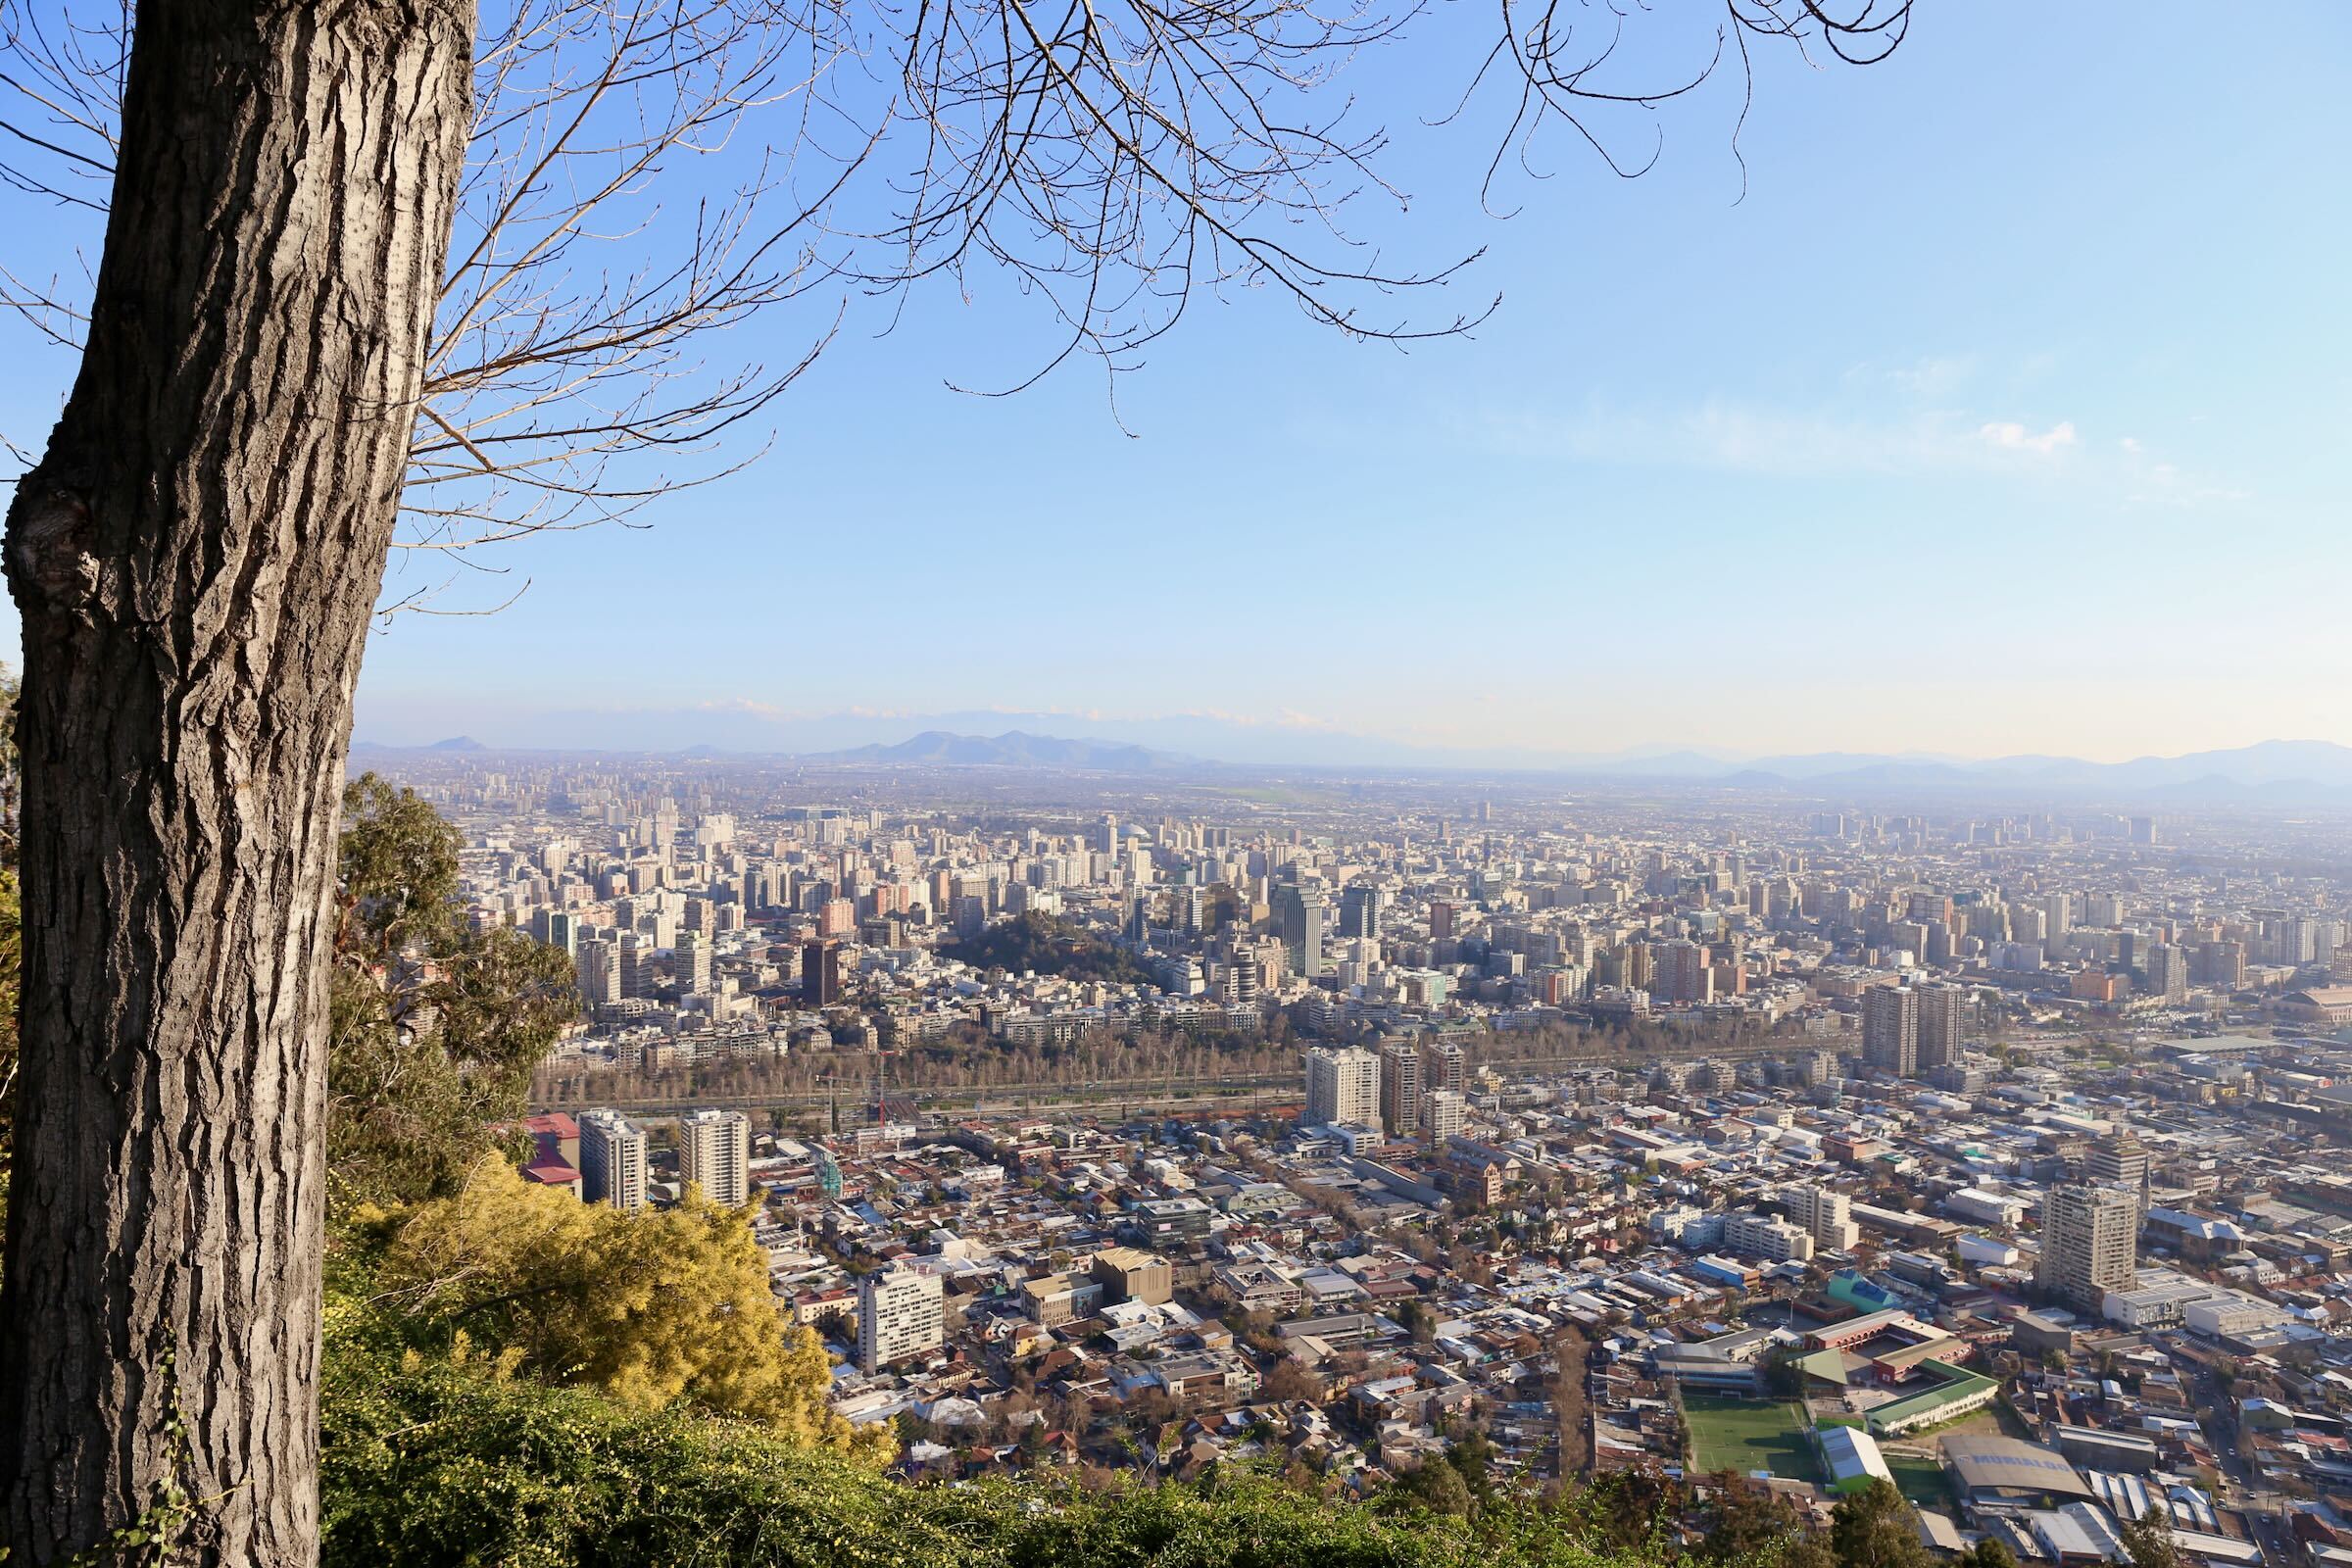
(1934, 417)
(1257, 784)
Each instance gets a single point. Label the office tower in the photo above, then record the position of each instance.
(2143, 830)
(1445, 1066)
(1360, 911)
(2168, 971)
(1301, 912)
(821, 973)
(564, 931)
(599, 969)
(2088, 1244)
(2119, 1160)
(901, 1312)
(1442, 1112)
(1343, 1088)
(2058, 912)
(1440, 919)
(1679, 973)
(1891, 1030)
(1106, 835)
(1825, 1215)
(1938, 1025)
(612, 1159)
(636, 967)
(1400, 1088)
(689, 960)
(714, 1152)
(2222, 964)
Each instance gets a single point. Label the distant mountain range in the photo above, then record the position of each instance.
(1014, 747)
(2276, 771)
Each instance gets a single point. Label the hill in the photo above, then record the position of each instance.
(1040, 943)
(936, 748)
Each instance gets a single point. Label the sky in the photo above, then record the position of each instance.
(1989, 400)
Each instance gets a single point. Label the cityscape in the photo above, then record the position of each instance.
(1257, 784)
(1148, 1123)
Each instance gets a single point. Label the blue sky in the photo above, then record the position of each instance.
(2005, 413)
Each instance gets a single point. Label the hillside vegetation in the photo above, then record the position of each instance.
(1039, 942)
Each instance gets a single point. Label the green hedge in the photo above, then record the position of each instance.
(428, 1463)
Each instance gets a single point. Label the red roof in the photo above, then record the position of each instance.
(550, 1173)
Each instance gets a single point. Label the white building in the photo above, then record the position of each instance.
(1342, 1087)
(1442, 1115)
(1775, 1240)
(612, 1159)
(901, 1312)
(1827, 1214)
(714, 1152)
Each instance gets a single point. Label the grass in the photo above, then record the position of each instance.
(1744, 1435)
(1920, 1481)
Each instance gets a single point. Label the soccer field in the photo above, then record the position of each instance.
(1744, 1435)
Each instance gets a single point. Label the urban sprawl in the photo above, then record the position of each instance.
(1108, 1124)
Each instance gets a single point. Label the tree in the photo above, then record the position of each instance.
(1988, 1552)
(1439, 1487)
(2148, 1541)
(1746, 1522)
(434, 1027)
(280, 335)
(1292, 1382)
(1873, 1528)
(650, 1307)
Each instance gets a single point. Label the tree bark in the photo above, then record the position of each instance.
(196, 558)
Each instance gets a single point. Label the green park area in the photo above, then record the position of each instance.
(1746, 1435)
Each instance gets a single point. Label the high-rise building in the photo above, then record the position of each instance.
(1891, 1030)
(1442, 1113)
(1827, 1214)
(1679, 973)
(564, 931)
(599, 968)
(2089, 1243)
(821, 973)
(2119, 1160)
(1300, 913)
(1445, 1066)
(1440, 918)
(2222, 964)
(1360, 911)
(1938, 1025)
(690, 961)
(2058, 913)
(1343, 1088)
(2166, 967)
(613, 1151)
(1400, 1088)
(902, 1312)
(714, 1152)
(636, 967)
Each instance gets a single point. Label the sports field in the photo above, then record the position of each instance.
(1744, 1435)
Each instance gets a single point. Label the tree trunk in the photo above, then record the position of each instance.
(196, 558)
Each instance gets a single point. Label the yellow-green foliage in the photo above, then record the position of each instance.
(651, 1308)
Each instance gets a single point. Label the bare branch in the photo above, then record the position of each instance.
(1111, 158)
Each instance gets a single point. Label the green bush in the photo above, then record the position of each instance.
(430, 1462)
